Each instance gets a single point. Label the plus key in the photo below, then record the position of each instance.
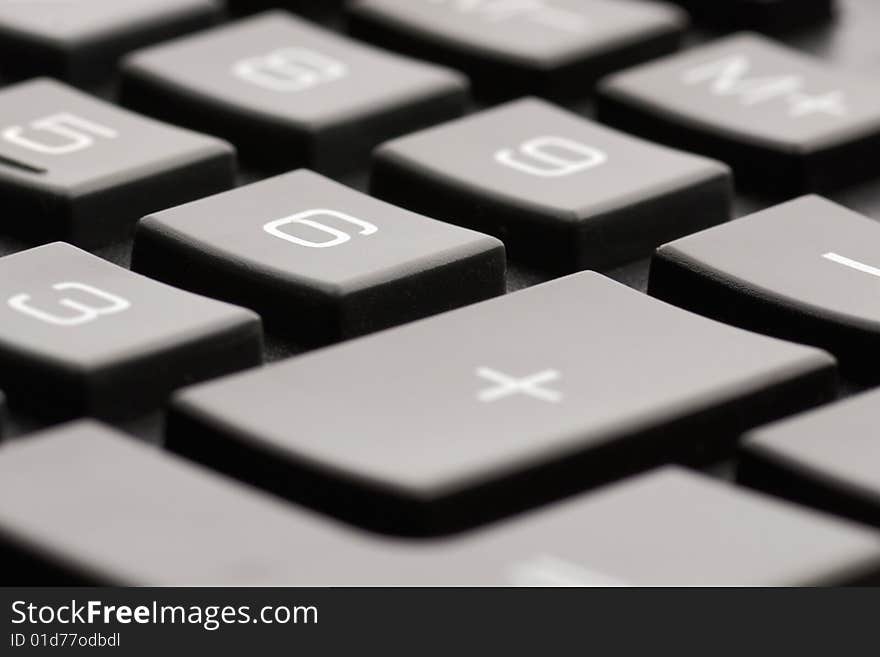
(440, 424)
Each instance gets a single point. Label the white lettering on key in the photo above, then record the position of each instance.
(85, 313)
(535, 11)
(76, 134)
(852, 264)
(305, 219)
(551, 157)
(507, 386)
(728, 77)
(290, 70)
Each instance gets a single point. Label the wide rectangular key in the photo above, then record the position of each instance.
(289, 93)
(81, 42)
(80, 336)
(555, 48)
(764, 15)
(561, 191)
(78, 169)
(441, 423)
(157, 520)
(807, 270)
(318, 260)
(787, 123)
(828, 458)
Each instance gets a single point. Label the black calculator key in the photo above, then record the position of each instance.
(81, 42)
(81, 336)
(764, 15)
(436, 425)
(673, 527)
(156, 520)
(289, 93)
(561, 191)
(807, 270)
(828, 458)
(787, 123)
(78, 169)
(557, 48)
(318, 260)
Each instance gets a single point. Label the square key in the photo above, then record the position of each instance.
(807, 270)
(80, 42)
(828, 458)
(561, 191)
(288, 93)
(78, 169)
(319, 261)
(554, 48)
(785, 122)
(81, 336)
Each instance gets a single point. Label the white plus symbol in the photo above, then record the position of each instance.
(506, 386)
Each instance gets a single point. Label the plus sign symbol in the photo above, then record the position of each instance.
(504, 385)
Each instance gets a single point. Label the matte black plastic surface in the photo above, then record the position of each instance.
(443, 423)
(319, 261)
(81, 336)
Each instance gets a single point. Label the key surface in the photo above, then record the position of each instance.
(79, 335)
(155, 519)
(441, 423)
(289, 93)
(828, 458)
(78, 169)
(807, 270)
(787, 123)
(764, 15)
(319, 260)
(561, 191)
(80, 42)
(555, 48)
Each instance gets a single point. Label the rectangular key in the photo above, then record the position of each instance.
(77, 169)
(81, 42)
(289, 93)
(555, 48)
(158, 520)
(561, 191)
(829, 458)
(80, 336)
(319, 261)
(785, 122)
(764, 15)
(807, 270)
(484, 409)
